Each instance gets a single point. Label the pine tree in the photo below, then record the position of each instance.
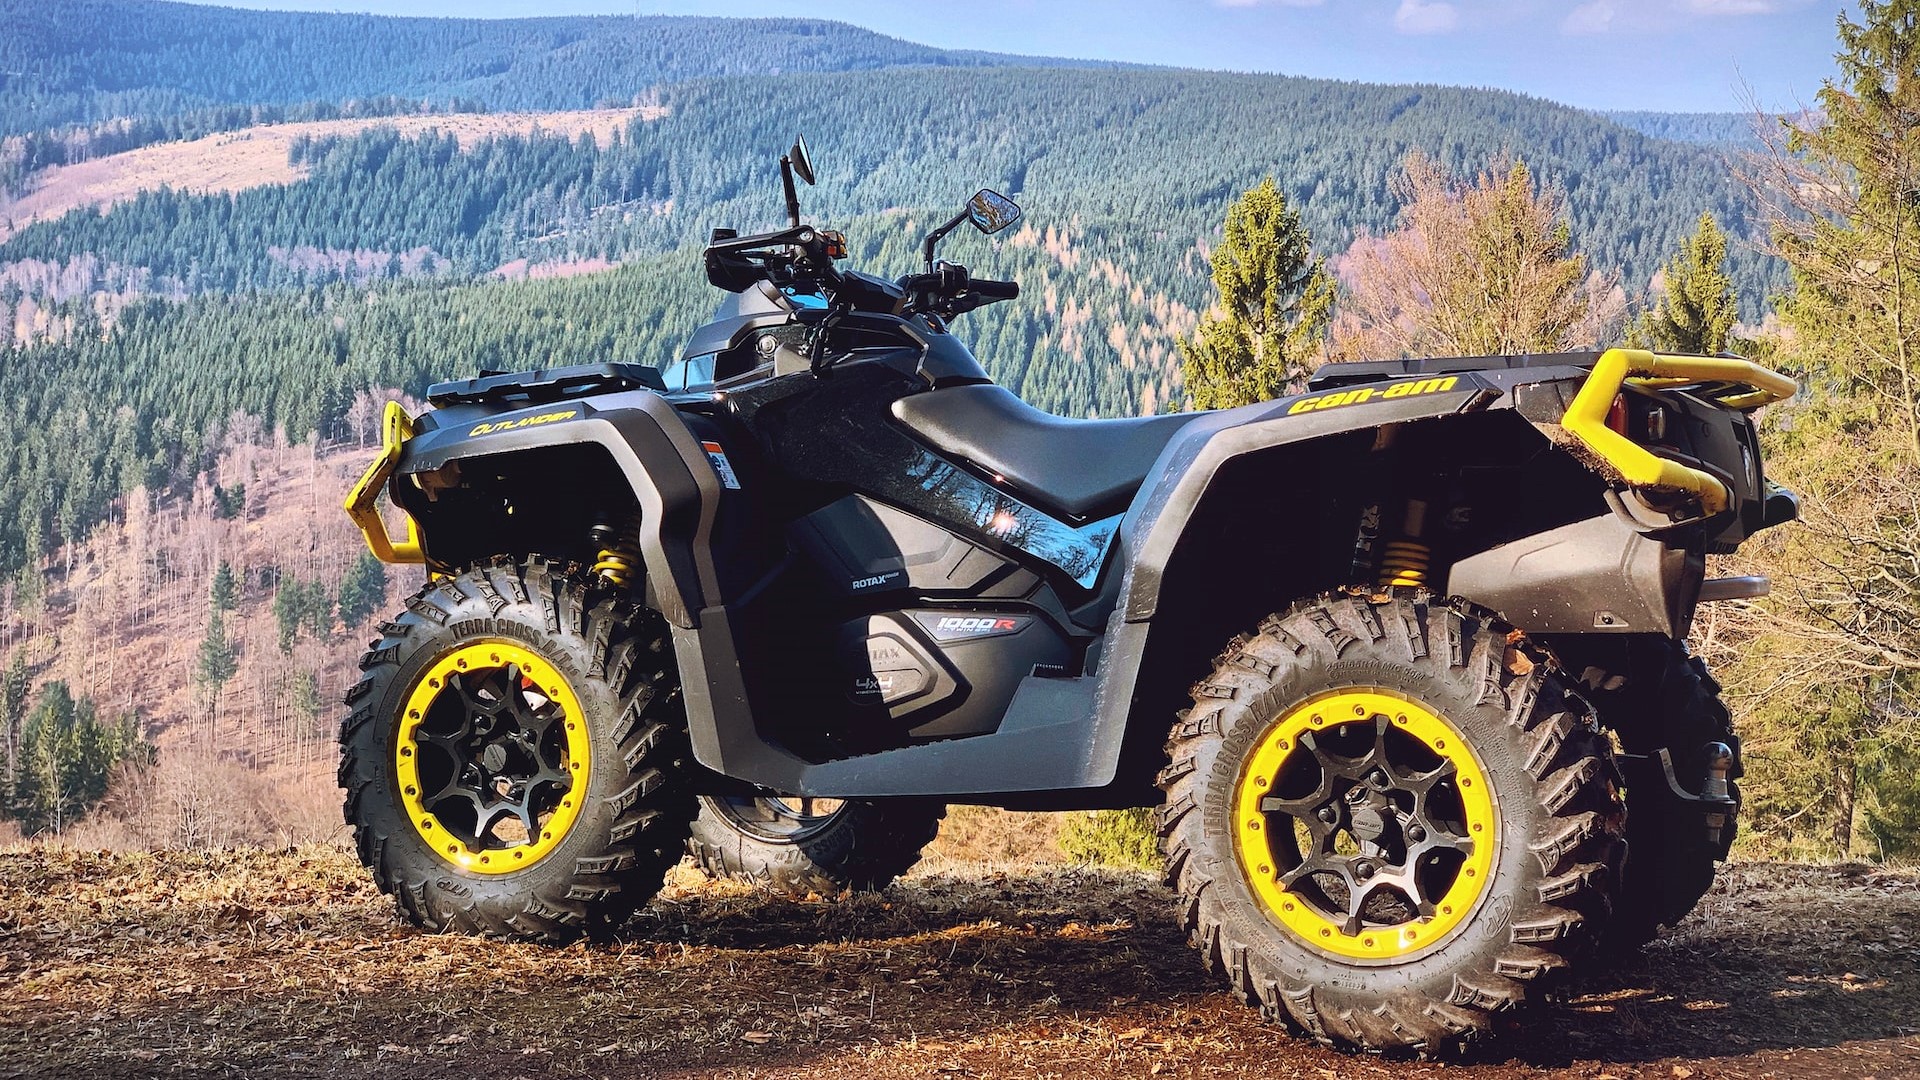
(286, 612)
(1267, 333)
(362, 589)
(1837, 188)
(1695, 313)
(14, 687)
(217, 662)
(226, 593)
(68, 758)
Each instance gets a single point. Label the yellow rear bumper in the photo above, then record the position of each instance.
(1586, 419)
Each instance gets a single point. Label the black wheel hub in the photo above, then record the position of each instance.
(493, 761)
(1379, 833)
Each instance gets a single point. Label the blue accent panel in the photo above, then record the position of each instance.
(1079, 551)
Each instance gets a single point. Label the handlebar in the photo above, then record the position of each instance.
(949, 288)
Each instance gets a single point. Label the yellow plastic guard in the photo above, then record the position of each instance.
(395, 429)
(1586, 418)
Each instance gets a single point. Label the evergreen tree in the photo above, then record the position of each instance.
(14, 687)
(217, 663)
(226, 593)
(1696, 312)
(1275, 300)
(286, 612)
(68, 757)
(1838, 188)
(362, 589)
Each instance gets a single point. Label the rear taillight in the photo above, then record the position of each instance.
(1617, 415)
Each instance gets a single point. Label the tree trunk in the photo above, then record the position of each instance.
(1843, 791)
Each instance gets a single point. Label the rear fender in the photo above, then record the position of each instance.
(1282, 452)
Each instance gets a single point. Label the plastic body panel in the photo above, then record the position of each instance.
(1597, 576)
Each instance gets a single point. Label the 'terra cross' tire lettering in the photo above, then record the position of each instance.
(796, 846)
(1388, 820)
(1657, 696)
(515, 753)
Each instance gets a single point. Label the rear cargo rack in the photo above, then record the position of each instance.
(546, 384)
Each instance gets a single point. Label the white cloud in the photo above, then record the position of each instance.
(1590, 18)
(1732, 7)
(1426, 17)
(1257, 3)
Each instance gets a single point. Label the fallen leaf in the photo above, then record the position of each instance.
(757, 1037)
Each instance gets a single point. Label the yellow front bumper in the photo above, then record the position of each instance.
(395, 429)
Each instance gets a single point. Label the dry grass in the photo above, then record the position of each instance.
(252, 157)
(288, 964)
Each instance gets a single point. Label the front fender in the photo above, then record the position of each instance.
(669, 478)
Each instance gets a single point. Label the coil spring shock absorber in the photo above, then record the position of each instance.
(619, 551)
(1405, 561)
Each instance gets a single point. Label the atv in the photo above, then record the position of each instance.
(1399, 658)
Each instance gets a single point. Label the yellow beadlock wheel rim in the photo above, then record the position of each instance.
(1365, 825)
(492, 757)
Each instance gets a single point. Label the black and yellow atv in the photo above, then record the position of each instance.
(1400, 658)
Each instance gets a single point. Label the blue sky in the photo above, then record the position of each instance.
(1690, 55)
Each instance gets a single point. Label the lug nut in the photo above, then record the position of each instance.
(1328, 815)
(1416, 834)
(1378, 779)
(1363, 869)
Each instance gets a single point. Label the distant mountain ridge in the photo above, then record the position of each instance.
(1731, 130)
(82, 61)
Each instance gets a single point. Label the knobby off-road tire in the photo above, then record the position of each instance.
(1542, 835)
(525, 685)
(1661, 698)
(777, 844)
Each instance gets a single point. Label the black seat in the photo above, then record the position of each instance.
(1075, 467)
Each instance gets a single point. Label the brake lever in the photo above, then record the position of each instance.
(817, 339)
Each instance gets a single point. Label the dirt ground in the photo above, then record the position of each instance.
(288, 964)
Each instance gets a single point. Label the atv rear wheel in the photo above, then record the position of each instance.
(798, 846)
(514, 754)
(1389, 820)
(1656, 695)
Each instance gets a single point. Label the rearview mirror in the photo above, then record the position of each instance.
(991, 211)
(802, 164)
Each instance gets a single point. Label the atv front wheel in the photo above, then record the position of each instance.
(514, 754)
(1389, 820)
(798, 846)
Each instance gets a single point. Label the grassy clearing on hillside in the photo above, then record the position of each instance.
(289, 964)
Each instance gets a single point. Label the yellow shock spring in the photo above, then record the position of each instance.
(617, 565)
(620, 560)
(1404, 563)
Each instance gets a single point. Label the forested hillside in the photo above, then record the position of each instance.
(1160, 149)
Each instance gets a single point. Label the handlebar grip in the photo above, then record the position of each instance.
(994, 290)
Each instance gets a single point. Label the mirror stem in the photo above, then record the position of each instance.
(934, 237)
(793, 196)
